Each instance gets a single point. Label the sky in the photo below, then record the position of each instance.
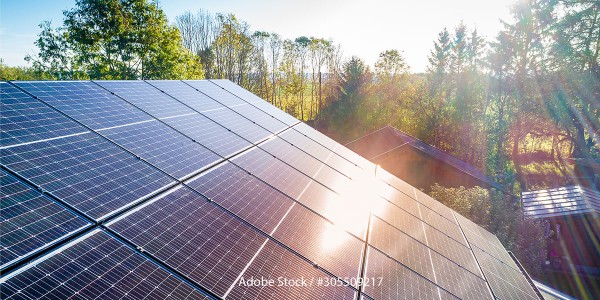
(363, 28)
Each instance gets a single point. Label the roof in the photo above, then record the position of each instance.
(201, 190)
(389, 139)
(563, 201)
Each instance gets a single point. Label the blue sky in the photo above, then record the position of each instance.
(363, 28)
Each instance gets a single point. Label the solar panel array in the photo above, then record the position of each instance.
(201, 190)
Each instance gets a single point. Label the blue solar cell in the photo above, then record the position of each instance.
(30, 221)
(96, 266)
(244, 195)
(273, 171)
(259, 117)
(215, 92)
(256, 101)
(85, 102)
(324, 244)
(275, 263)
(163, 147)
(87, 172)
(25, 120)
(147, 98)
(193, 236)
(208, 133)
(238, 124)
(391, 280)
(186, 94)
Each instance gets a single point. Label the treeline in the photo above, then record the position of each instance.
(296, 75)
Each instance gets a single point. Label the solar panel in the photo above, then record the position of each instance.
(25, 120)
(193, 236)
(147, 98)
(451, 249)
(244, 195)
(482, 239)
(326, 245)
(87, 172)
(287, 271)
(163, 147)
(333, 207)
(398, 198)
(208, 133)
(457, 280)
(30, 221)
(248, 97)
(506, 282)
(442, 224)
(259, 117)
(238, 124)
(402, 220)
(395, 182)
(401, 247)
(334, 146)
(85, 102)
(307, 164)
(389, 279)
(215, 92)
(273, 171)
(319, 152)
(435, 206)
(96, 266)
(186, 95)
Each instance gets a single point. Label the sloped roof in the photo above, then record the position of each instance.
(563, 201)
(388, 139)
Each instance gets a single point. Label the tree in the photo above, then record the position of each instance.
(114, 39)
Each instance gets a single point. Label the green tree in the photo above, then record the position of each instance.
(112, 39)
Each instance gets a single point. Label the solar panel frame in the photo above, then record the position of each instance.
(26, 120)
(31, 221)
(215, 92)
(96, 178)
(95, 265)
